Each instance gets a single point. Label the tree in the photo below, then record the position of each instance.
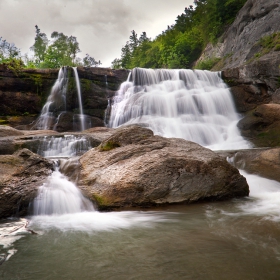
(62, 51)
(40, 46)
(8, 50)
(73, 47)
(116, 63)
(89, 61)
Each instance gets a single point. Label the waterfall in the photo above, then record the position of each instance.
(66, 146)
(55, 106)
(81, 116)
(193, 105)
(59, 196)
(56, 102)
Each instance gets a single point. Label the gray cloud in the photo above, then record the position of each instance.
(101, 26)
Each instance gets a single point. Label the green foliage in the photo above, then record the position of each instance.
(270, 42)
(40, 46)
(10, 56)
(61, 51)
(90, 61)
(182, 43)
(116, 63)
(15, 65)
(207, 64)
(267, 43)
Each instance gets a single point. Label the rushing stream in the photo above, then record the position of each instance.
(66, 238)
(238, 239)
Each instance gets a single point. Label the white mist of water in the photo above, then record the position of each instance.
(193, 105)
(56, 102)
(97, 221)
(79, 98)
(66, 146)
(264, 197)
(59, 196)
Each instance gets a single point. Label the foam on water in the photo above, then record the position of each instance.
(264, 197)
(60, 196)
(96, 221)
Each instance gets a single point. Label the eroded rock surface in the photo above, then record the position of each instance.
(262, 125)
(264, 161)
(20, 176)
(135, 168)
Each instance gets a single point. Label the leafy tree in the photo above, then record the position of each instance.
(40, 46)
(181, 44)
(116, 63)
(126, 55)
(8, 50)
(90, 61)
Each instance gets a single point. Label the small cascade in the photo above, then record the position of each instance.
(56, 103)
(66, 146)
(59, 196)
(81, 116)
(193, 105)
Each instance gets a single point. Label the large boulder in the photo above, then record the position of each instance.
(20, 176)
(262, 125)
(135, 168)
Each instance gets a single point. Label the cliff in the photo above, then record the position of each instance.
(23, 93)
(249, 54)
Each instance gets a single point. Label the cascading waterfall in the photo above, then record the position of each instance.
(66, 146)
(55, 106)
(81, 116)
(193, 105)
(59, 196)
(56, 102)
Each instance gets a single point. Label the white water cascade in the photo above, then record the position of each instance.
(193, 105)
(66, 146)
(59, 196)
(56, 102)
(55, 105)
(81, 116)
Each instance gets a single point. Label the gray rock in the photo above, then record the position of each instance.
(135, 168)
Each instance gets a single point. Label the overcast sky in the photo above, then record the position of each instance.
(102, 27)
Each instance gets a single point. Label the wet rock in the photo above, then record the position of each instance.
(9, 131)
(23, 94)
(135, 168)
(20, 176)
(34, 139)
(264, 162)
(262, 125)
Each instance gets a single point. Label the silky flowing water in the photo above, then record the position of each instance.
(193, 105)
(237, 239)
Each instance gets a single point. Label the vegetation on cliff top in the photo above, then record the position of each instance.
(60, 51)
(181, 44)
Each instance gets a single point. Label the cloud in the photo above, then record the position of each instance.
(101, 26)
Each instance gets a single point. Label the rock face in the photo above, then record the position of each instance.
(249, 65)
(24, 93)
(20, 176)
(255, 20)
(12, 139)
(262, 125)
(135, 168)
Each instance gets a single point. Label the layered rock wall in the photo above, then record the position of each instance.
(23, 93)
